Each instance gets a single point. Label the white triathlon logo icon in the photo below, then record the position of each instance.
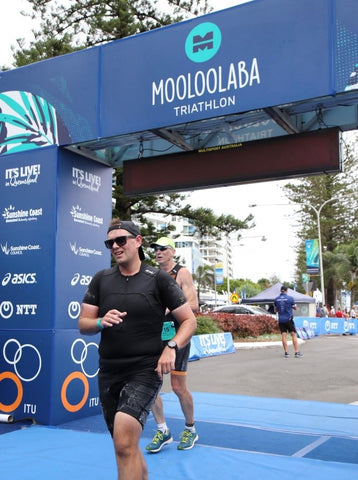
(83, 355)
(17, 357)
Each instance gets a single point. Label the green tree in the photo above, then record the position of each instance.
(338, 218)
(346, 264)
(76, 24)
(204, 278)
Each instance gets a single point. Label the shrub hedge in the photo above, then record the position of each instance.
(240, 326)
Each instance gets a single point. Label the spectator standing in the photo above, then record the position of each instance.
(284, 306)
(164, 249)
(127, 304)
(324, 311)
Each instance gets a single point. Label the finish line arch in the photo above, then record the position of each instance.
(235, 97)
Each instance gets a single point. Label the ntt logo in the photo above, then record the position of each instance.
(203, 42)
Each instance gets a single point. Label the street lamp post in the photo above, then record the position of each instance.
(318, 213)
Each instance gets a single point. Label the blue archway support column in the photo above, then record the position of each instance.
(55, 209)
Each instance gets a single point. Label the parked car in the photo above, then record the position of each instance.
(239, 309)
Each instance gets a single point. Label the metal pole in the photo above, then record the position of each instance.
(227, 269)
(318, 213)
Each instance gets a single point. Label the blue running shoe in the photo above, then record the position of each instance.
(187, 440)
(159, 440)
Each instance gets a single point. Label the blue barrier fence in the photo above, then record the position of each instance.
(307, 327)
(211, 344)
(326, 325)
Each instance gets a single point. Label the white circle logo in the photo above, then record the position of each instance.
(17, 357)
(6, 309)
(73, 310)
(83, 355)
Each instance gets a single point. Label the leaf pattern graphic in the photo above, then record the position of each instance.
(27, 121)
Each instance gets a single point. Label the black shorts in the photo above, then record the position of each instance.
(181, 361)
(287, 327)
(133, 395)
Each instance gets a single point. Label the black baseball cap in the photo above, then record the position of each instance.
(131, 228)
(283, 288)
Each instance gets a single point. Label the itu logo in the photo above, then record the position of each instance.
(203, 42)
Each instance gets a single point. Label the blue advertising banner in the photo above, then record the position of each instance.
(219, 273)
(211, 344)
(25, 378)
(74, 379)
(50, 376)
(84, 212)
(251, 56)
(27, 238)
(326, 325)
(55, 209)
(51, 102)
(218, 64)
(312, 257)
(346, 46)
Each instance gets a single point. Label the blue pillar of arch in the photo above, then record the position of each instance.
(55, 207)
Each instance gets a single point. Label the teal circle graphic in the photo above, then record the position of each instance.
(203, 42)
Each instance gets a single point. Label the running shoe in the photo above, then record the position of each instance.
(298, 355)
(187, 440)
(286, 355)
(159, 440)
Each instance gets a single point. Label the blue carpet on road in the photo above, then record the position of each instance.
(240, 437)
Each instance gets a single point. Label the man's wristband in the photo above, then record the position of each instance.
(99, 324)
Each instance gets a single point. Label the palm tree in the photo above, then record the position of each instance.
(204, 277)
(347, 265)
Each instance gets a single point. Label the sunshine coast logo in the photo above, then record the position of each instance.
(18, 249)
(11, 214)
(84, 252)
(84, 217)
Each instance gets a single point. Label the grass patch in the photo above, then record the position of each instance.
(274, 337)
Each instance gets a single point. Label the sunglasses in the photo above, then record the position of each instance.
(120, 241)
(160, 248)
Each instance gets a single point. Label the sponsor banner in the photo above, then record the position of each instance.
(50, 377)
(312, 256)
(84, 212)
(218, 64)
(211, 344)
(25, 378)
(53, 102)
(236, 60)
(219, 273)
(311, 323)
(346, 46)
(74, 377)
(328, 325)
(27, 238)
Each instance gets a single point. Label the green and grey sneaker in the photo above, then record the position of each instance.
(159, 440)
(187, 440)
